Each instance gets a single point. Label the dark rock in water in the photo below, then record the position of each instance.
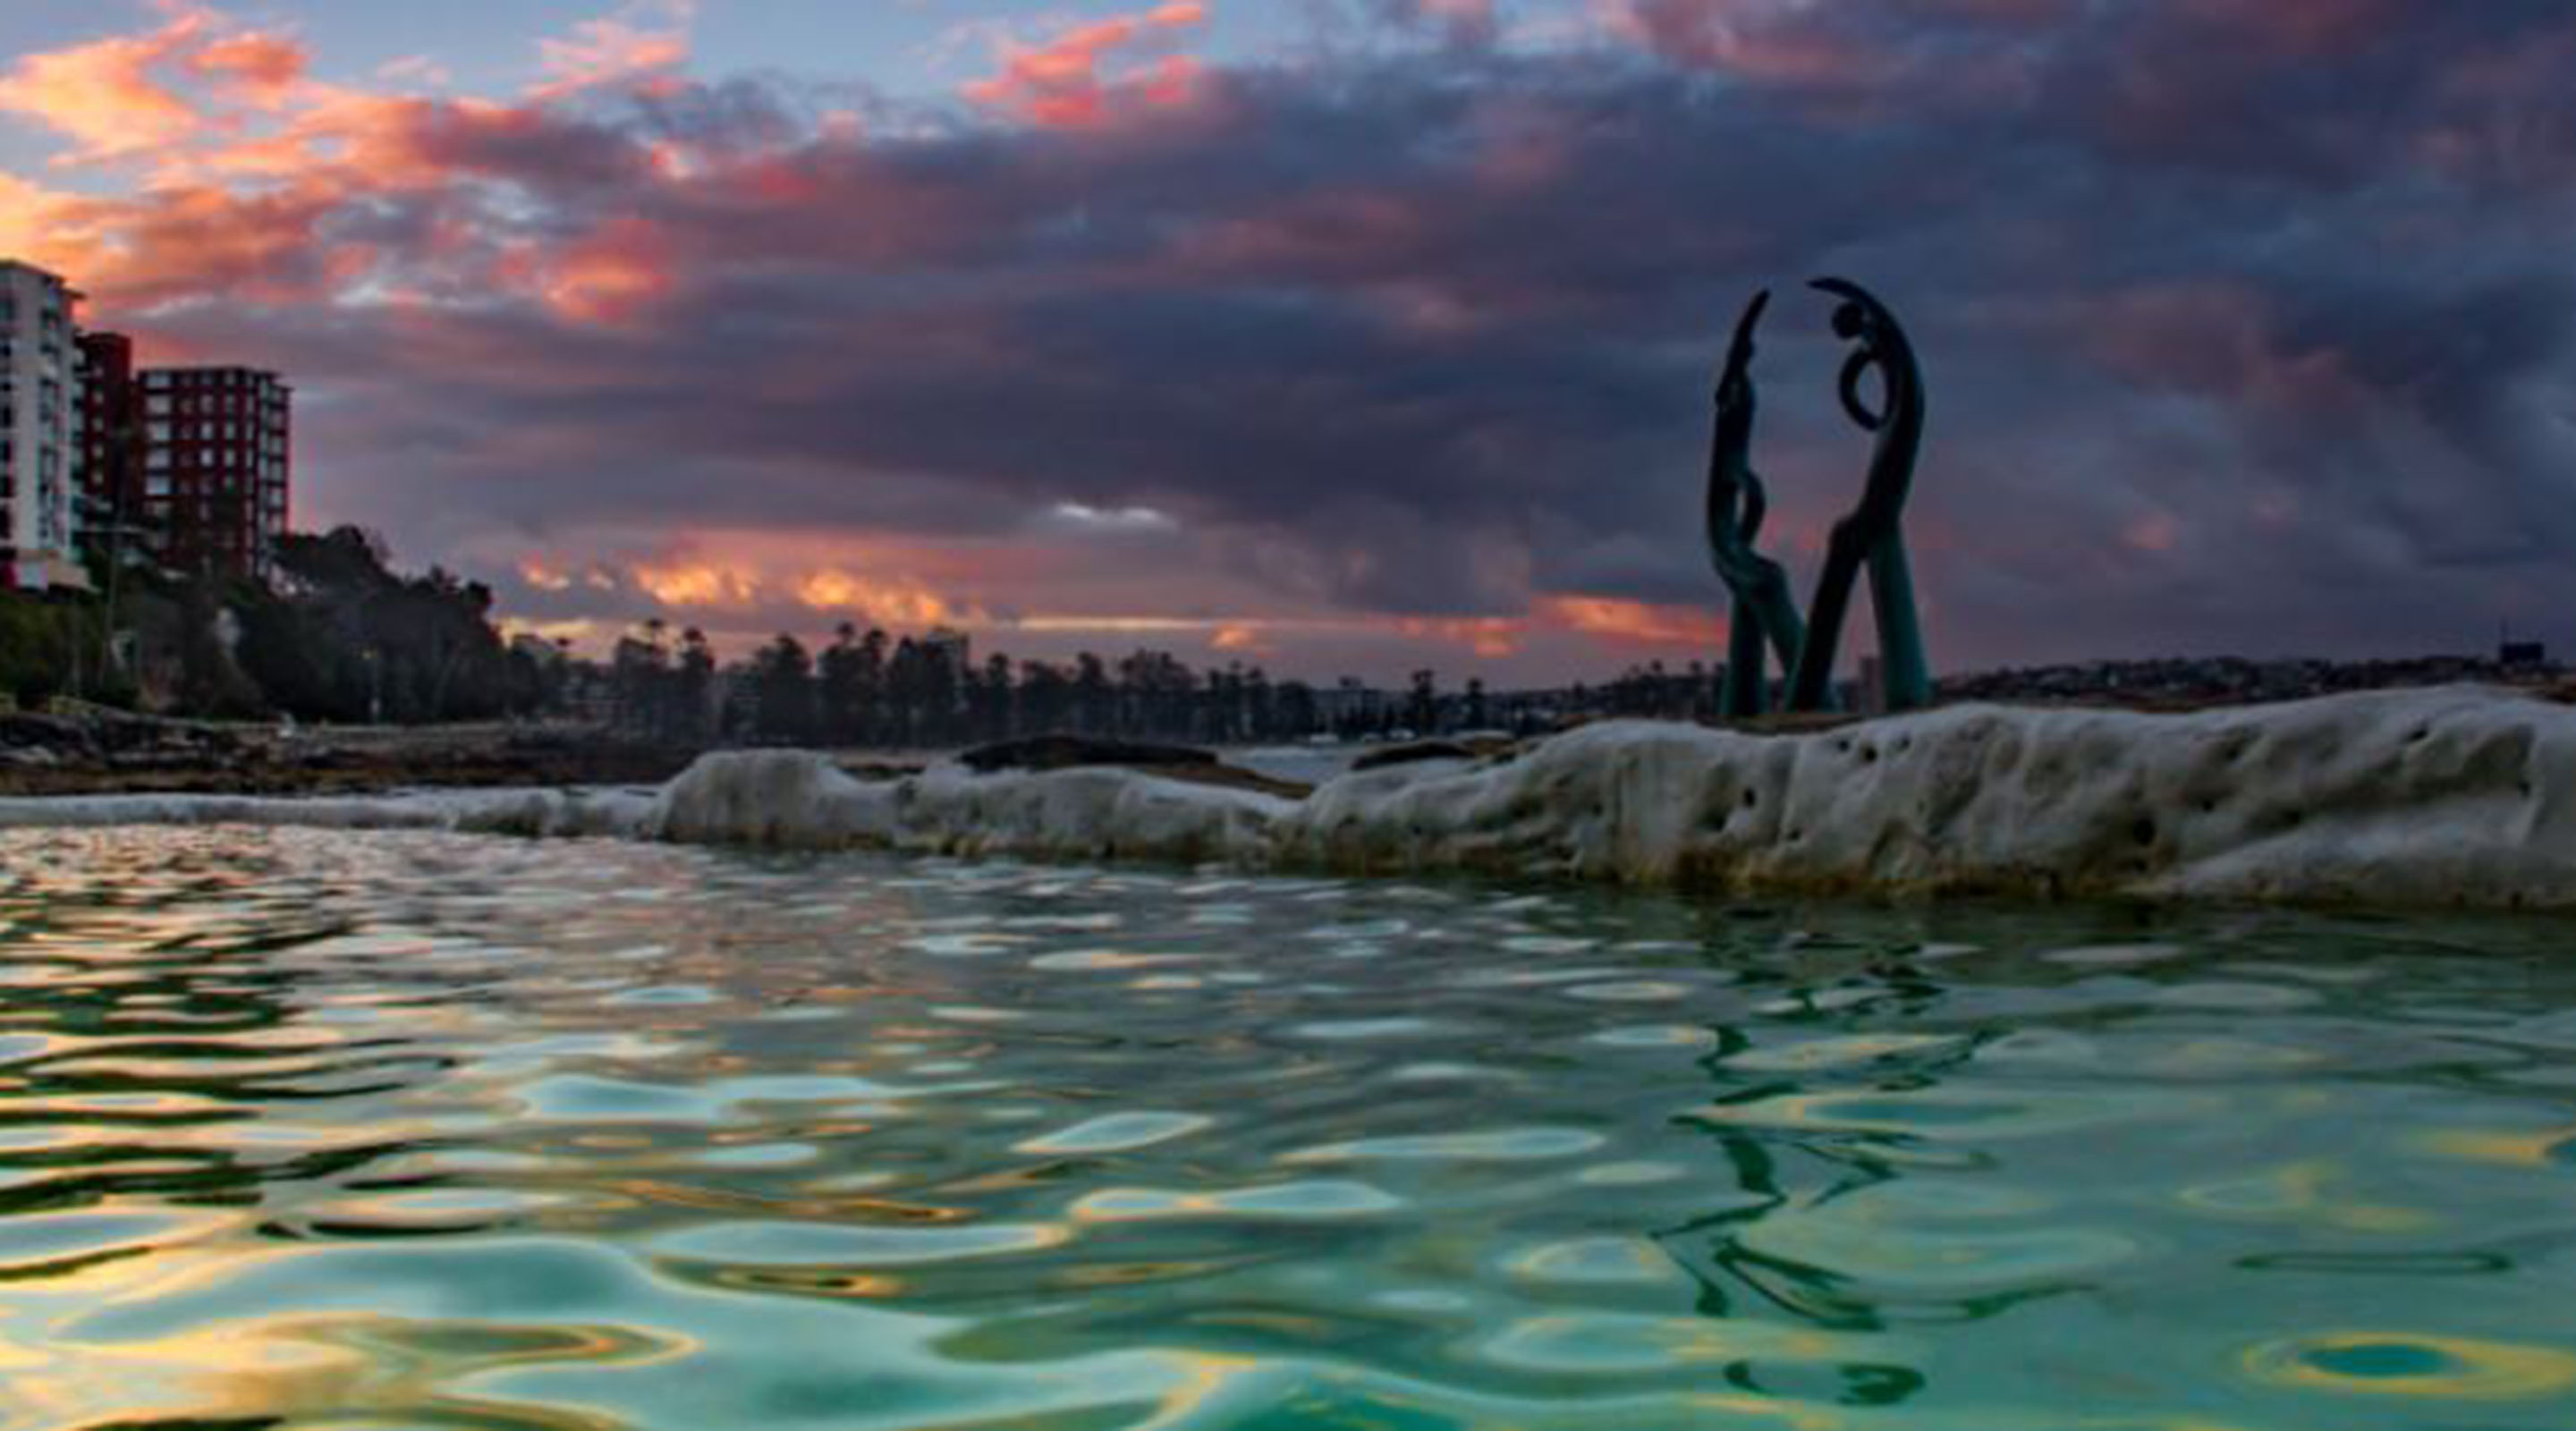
(95, 750)
(112, 738)
(1433, 750)
(1065, 752)
(1172, 762)
(877, 770)
(20, 730)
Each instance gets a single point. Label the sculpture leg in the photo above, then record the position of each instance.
(1903, 668)
(1812, 687)
(1781, 621)
(1747, 669)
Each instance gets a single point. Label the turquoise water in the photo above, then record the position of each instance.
(322, 1130)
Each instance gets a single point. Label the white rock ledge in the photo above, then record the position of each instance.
(2457, 796)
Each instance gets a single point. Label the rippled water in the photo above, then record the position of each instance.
(334, 1131)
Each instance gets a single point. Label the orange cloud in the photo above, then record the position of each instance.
(105, 95)
(580, 632)
(1063, 84)
(543, 577)
(42, 225)
(1610, 619)
(1636, 623)
(895, 602)
(755, 578)
(698, 584)
(1242, 638)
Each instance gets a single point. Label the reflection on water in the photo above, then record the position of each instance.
(323, 1130)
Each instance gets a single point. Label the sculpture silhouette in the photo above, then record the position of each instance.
(1765, 622)
(1765, 618)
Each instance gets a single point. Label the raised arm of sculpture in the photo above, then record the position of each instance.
(1764, 618)
(1870, 534)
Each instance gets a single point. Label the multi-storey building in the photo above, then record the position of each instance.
(39, 430)
(215, 468)
(112, 447)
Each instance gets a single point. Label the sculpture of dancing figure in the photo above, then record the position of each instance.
(1870, 533)
(1765, 618)
(1765, 621)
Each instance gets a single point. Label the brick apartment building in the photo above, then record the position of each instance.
(186, 467)
(216, 468)
(111, 445)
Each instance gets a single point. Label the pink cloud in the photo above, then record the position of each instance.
(1076, 78)
(1763, 40)
(2301, 28)
(253, 68)
(1855, 59)
(608, 276)
(2219, 339)
(643, 41)
(251, 161)
(1635, 623)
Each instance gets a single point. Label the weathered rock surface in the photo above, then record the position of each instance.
(2459, 796)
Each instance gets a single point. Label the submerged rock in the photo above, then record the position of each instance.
(1065, 752)
(2457, 796)
(1077, 752)
(1419, 750)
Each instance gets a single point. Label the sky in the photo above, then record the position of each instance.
(1359, 335)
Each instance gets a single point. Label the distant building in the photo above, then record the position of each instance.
(2522, 655)
(1351, 705)
(216, 467)
(39, 431)
(1869, 693)
(111, 446)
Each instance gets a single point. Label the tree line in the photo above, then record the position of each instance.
(334, 633)
(873, 688)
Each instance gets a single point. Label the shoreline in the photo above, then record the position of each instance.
(99, 752)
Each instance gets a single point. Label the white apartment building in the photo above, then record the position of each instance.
(39, 430)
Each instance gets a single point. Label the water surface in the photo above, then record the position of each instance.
(331, 1130)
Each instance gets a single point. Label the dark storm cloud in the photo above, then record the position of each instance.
(2247, 319)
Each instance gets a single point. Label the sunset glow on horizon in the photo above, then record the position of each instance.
(1358, 336)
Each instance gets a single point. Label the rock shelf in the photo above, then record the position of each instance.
(2455, 796)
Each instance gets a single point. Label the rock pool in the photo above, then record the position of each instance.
(327, 1129)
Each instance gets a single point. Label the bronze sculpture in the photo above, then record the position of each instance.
(1766, 618)
(1765, 622)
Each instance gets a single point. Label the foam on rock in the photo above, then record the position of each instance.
(597, 811)
(2454, 796)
